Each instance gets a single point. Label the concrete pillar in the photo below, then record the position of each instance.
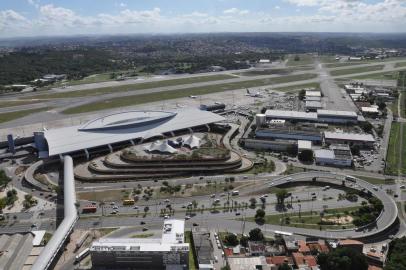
(87, 154)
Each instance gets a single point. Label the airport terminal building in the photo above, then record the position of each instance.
(168, 252)
(120, 129)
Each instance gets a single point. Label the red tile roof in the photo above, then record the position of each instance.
(277, 260)
(310, 260)
(350, 242)
(303, 247)
(298, 258)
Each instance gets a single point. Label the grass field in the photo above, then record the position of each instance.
(391, 75)
(355, 70)
(309, 220)
(304, 59)
(376, 181)
(134, 87)
(400, 64)
(259, 72)
(344, 64)
(12, 103)
(297, 87)
(166, 95)
(6, 117)
(392, 157)
(192, 256)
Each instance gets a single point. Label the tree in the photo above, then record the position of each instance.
(256, 235)
(342, 259)
(231, 239)
(284, 266)
(260, 215)
(396, 255)
(244, 241)
(306, 155)
(297, 58)
(302, 94)
(281, 195)
(253, 202)
(366, 126)
(355, 150)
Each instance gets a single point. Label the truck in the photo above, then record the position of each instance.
(82, 255)
(89, 209)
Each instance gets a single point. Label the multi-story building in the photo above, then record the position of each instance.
(153, 254)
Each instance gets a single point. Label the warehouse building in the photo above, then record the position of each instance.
(321, 116)
(337, 155)
(276, 145)
(313, 106)
(289, 134)
(360, 139)
(340, 117)
(170, 251)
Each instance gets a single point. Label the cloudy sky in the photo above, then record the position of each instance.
(69, 17)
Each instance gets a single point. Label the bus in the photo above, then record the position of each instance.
(350, 178)
(82, 255)
(129, 202)
(81, 240)
(89, 209)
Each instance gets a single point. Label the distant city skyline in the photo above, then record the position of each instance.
(71, 17)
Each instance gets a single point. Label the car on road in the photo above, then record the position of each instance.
(187, 217)
(402, 186)
(135, 207)
(166, 216)
(115, 207)
(144, 229)
(237, 213)
(142, 222)
(195, 224)
(375, 188)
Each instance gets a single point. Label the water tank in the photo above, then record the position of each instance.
(260, 119)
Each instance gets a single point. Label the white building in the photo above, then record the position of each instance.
(136, 253)
(361, 139)
(337, 155)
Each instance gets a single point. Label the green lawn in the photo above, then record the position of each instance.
(166, 95)
(309, 220)
(142, 235)
(392, 75)
(297, 87)
(355, 70)
(260, 72)
(134, 87)
(395, 149)
(11, 103)
(344, 64)
(376, 181)
(304, 59)
(192, 256)
(400, 64)
(6, 117)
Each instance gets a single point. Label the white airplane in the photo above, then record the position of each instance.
(257, 94)
(193, 96)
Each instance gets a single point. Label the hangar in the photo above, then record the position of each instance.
(129, 126)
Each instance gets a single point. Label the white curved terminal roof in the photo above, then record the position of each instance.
(125, 126)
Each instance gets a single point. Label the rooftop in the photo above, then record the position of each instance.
(172, 240)
(124, 126)
(349, 136)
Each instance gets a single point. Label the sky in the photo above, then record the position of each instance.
(72, 17)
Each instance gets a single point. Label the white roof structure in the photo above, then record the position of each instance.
(333, 113)
(312, 93)
(369, 109)
(349, 136)
(312, 99)
(278, 114)
(172, 240)
(162, 147)
(313, 104)
(324, 154)
(192, 141)
(125, 126)
(302, 144)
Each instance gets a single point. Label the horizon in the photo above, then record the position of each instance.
(35, 18)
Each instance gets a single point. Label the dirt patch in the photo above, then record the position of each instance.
(341, 220)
